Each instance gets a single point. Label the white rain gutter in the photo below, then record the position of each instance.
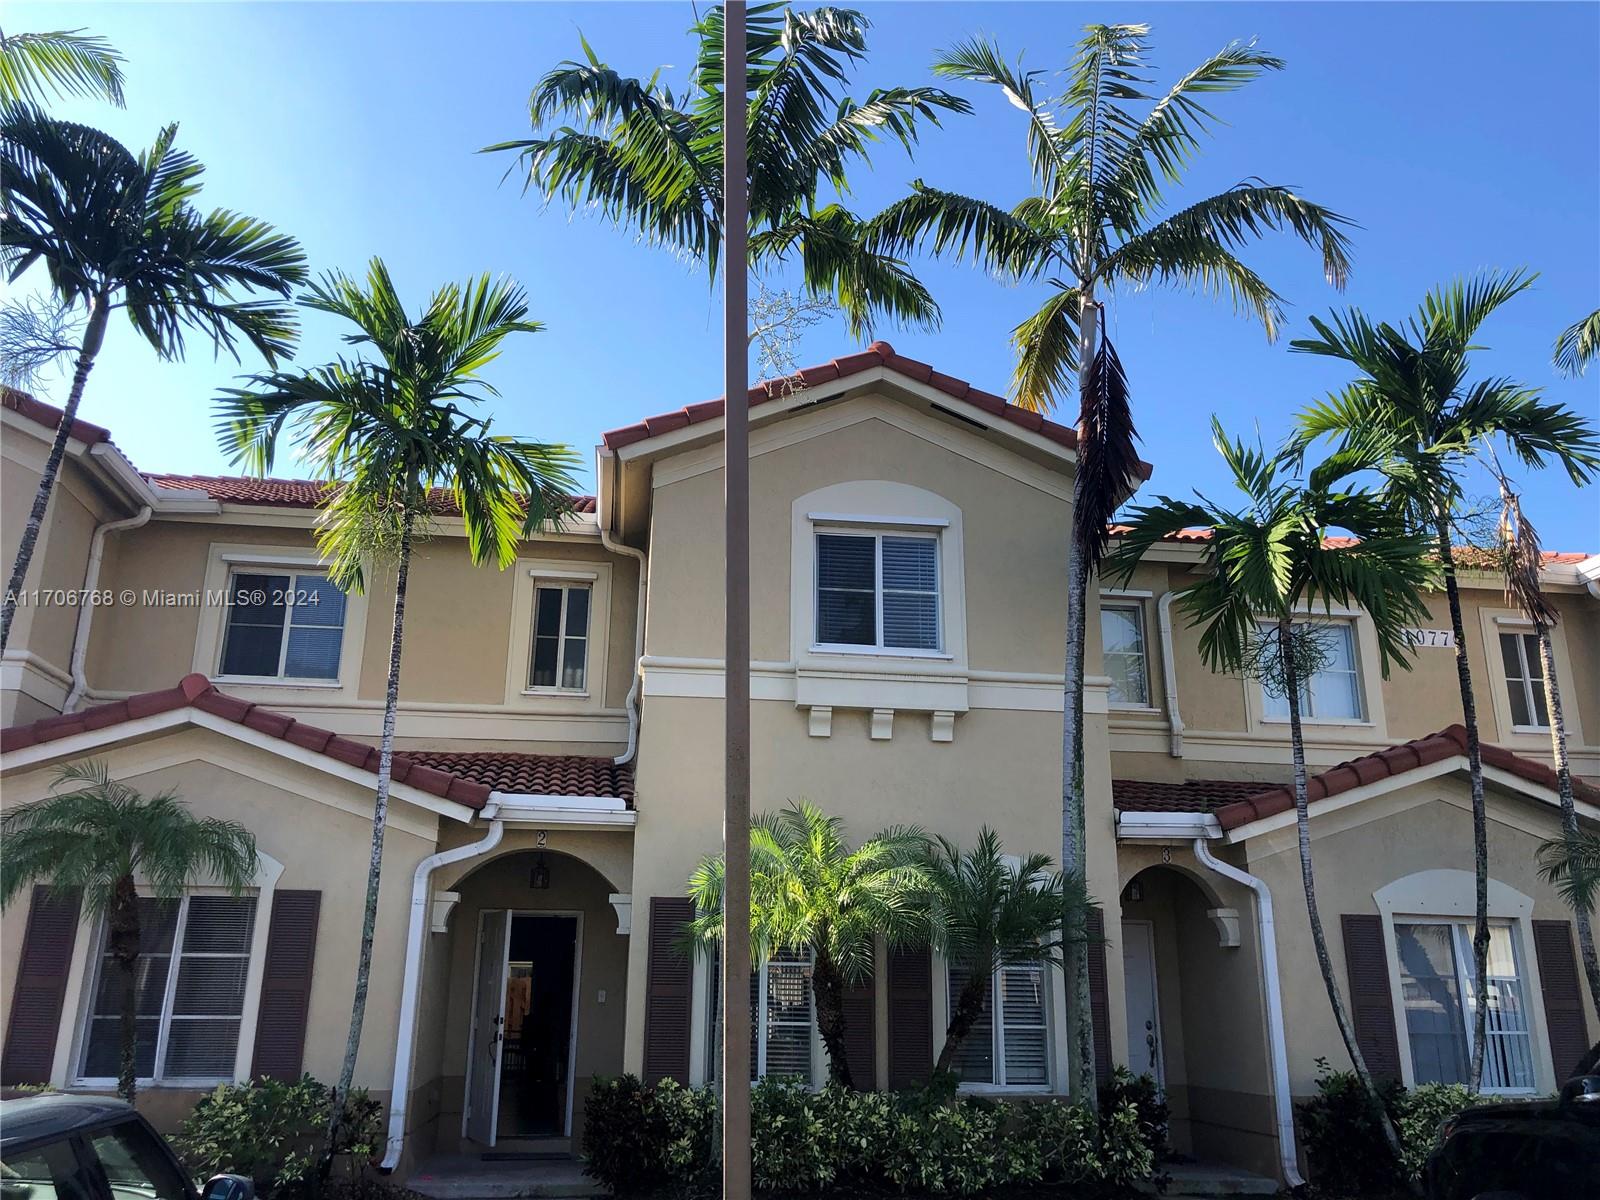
(91, 582)
(1589, 572)
(1169, 674)
(1276, 1046)
(411, 984)
(632, 702)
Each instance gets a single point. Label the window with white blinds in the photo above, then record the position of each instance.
(878, 591)
(1437, 985)
(1009, 1046)
(782, 1016)
(283, 626)
(194, 959)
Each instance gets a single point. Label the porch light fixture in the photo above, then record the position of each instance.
(1134, 892)
(539, 877)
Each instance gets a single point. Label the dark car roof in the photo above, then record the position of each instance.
(33, 1118)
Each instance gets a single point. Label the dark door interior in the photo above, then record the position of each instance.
(533, 1070)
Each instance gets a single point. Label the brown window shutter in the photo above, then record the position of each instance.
(1371, 1002)
(668, 988)
(1099, 995)
(40, 993)
(860, 1038)
(910, 979)
(1563, 1000)
(286, 985)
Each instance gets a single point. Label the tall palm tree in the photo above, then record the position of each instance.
(1290, 548)
(1578, 343)
(809, 891)
(117, 230)
(987, 912)
(1416, 414)
(63, 62)
(1101, 153)
(101, 838)
(650, 160)
(391, 436)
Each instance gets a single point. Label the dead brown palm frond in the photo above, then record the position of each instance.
(1520, 560)
(1107, 455)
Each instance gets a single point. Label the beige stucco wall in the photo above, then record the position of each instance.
(1356, 851)
(319, 829)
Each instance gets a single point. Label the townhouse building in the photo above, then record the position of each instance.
(559, 777)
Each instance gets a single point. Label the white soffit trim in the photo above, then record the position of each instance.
(1166, 826)
(538, 809)
(111, 735)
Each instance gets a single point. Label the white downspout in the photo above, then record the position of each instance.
(91, 582)
(411, 984)
(632, 702)
(1169, 673)
(1283, 1102)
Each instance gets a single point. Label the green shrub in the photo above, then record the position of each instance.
(1141, 1091)
(275, 1132)
(1421, 1110)
(641, 1140)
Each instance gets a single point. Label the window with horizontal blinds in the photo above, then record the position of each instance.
(782, 1016)
(286, 625)
(194, 961)
(1524, 667)
(878, 590)
(1009, 1044)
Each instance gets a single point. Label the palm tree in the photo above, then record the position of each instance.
(1271, 563)
(101, 838)
(1414, 412)
(1100, 154)
(1578, 343)
(810, 891)
(115, 230)
(988, 912)
(65, 62)
(1521, 560)
(650, 160)
(391, 437)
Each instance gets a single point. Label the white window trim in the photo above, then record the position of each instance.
(1364, 641)
(1055, 1044)
(82, 973)
(566, 587)
(1446, 895)
(562, 572)
(1529, 696)
(1527, 738)
(700, 1044)
(1130, 602)
(223, 560)
(293, 573)
(877, 533)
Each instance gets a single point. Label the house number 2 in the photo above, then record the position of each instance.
(541, 839)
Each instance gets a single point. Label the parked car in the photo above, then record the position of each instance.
(56, 1147)
(1532, 1150)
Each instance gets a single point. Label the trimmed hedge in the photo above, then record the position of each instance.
(642, 1140)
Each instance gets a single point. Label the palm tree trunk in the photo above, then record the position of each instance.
(93, 335)
(1480, 815)
(827, 988)
(969, 1007)
(1075, 958)
(1302, 820)
(1569, 813)
(380, 818)
(123, 939)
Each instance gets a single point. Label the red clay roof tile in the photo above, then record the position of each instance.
(50, 416)
(296, 493)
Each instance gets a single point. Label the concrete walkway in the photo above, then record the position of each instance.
(469, 1177)
(1214, 1179)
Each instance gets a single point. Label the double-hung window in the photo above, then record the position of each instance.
(1438, 988)
(1009, 1045)
(283, 625)
(782, 1016)
(1524, 680)
(1333, 693)
(1123, 649)
(560, 657)
(878, 591)
(189, 987)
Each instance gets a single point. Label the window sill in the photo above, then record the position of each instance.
(554, 694)
(324, 685)
(1136, 709)
(882, 652)
(1532, 730)
(1322, 722)
(1005, 1089)
(171, 1085)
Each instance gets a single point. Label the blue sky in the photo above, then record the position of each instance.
(1459, 136)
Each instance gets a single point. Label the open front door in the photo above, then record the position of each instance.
(488, 1027)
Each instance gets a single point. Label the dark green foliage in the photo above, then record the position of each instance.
(836, 1142)
(1140, 1091)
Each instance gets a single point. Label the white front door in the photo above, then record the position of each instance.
(1144, 1009)
(488, 1026)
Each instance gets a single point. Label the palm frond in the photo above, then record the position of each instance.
(1577, 345)
(958, 226)
(1572, 866)
(1108, 457)
(1047, 351)
(63, 62)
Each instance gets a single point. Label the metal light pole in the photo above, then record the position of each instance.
(736, 652)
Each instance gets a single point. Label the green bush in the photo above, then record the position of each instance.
(1141, 1091)
(641, 1140)
(275, 1133)
(1346, 1149)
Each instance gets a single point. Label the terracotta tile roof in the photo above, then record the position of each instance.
(50, 416)
(534, 774)
(1467, 556)
(1235, 803)
(879, 354)
(465, 778)
(297, 493)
